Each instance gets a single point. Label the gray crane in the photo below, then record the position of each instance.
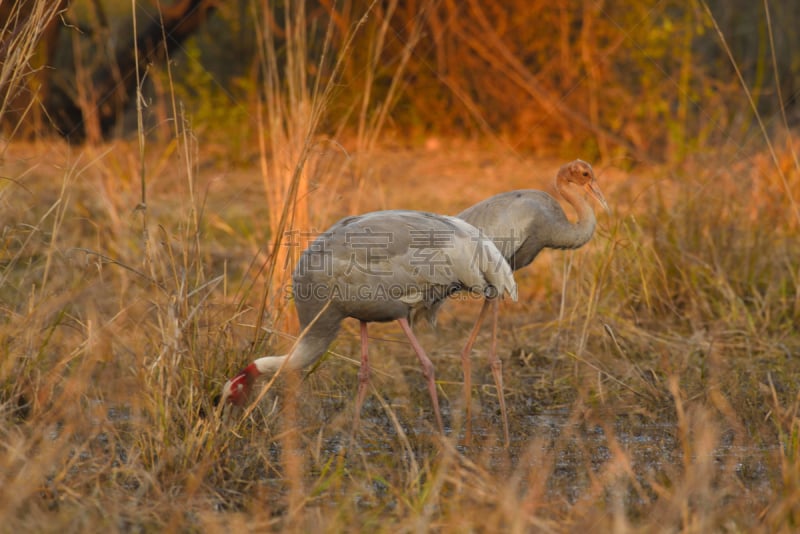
(379, 267)
(522, 223)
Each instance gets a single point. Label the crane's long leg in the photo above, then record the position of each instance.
(497, 369)
(427, 370)
(466, 365)
(363, 376)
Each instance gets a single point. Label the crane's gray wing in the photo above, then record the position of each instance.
(381, 261)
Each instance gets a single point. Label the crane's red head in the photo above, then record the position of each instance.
(580, 173)
(237, 390)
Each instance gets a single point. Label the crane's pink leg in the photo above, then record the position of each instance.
(363, 376)
(466, 365)
(427, 370)
(497, 369)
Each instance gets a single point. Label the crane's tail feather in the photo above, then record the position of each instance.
(497, 271)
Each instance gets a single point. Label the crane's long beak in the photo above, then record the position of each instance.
(221, 404)
(593, 189)
(222, 398)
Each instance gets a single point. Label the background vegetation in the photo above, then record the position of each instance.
(652, 377)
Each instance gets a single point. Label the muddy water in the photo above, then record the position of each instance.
(570, 453)
(652, 449)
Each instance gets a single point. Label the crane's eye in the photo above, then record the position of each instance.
(585, 173)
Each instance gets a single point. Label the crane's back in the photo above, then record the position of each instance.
(385, 265)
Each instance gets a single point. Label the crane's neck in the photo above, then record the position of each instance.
(308, 349)
(575, 235)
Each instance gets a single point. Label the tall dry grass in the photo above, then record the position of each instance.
(22, 25)
(652, 376)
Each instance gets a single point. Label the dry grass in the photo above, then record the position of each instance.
(664, 398)
(652, 376)
(22, 25)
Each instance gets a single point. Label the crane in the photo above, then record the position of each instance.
(522, 223)
(380, 267)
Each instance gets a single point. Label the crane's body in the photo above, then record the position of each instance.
(386, 265)
(377, 267)
(522, 223)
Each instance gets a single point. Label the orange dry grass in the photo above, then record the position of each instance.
(663, 398)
